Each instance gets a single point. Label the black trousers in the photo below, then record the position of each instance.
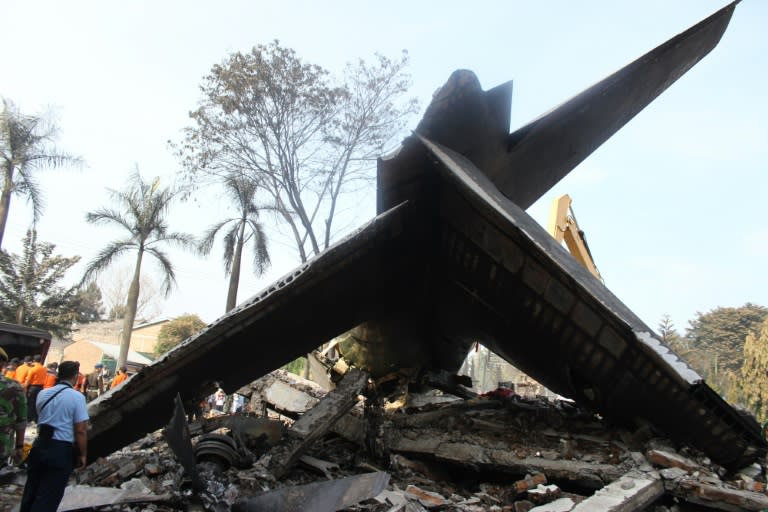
(48, 468)
(32, 393)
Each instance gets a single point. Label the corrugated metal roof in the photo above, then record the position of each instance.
(113, 351)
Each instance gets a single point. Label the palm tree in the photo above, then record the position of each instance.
(143, 207)
(241, 229)
(25, 147)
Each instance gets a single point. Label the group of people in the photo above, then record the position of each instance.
(55, 398)
(217, 403)
(33, 377)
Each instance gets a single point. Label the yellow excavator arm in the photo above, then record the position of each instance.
(563, 227)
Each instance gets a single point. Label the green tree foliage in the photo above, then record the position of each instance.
(753, 385)
(30, 287)
(297, 366)
(721, 332)
(88, 304)
(141, 211)
(716, 340)
(26, 146)
(240, 230)
(302, 137)
(176, 331)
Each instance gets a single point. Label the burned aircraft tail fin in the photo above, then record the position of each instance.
(541, 153)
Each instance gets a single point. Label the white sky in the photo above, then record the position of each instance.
(672, 205)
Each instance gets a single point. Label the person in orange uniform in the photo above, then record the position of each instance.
(10, 369)
(34, 384)
(51, 376)
(22, 369)
(122, 374)
(80, 383)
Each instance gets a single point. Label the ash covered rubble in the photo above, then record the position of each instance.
(404, 446)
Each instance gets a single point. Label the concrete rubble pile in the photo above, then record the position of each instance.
(405, 448)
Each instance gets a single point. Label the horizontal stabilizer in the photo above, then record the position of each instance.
(541, 153)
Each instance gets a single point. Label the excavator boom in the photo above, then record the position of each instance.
(563, 227)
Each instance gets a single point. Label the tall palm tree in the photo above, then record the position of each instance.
(240, 230)
(26, 145)
(142, 210)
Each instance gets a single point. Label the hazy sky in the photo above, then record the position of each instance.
(673, 205)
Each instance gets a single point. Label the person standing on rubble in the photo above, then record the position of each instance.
(62, 427)
(13, 416)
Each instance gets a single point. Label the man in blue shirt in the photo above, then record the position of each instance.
(62, 419)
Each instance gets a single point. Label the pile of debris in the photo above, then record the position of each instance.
(309, 449)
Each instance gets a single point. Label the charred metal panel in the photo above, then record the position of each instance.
(318, 496)
(327, 296)
(529, 161)
(557, 322)
(555, 143)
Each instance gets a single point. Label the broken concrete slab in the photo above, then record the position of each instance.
(304, 394)
(716, 496)
(673, 473)
(463, 451)
(315, 423)
(559, 505)
(629, 493)
(318, 372)
(468, 435)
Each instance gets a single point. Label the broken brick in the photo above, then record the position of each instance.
(426, 498)
(671, 460)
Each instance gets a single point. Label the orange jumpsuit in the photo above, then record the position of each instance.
(36, 375)
(21, 373)
(80, 384)
(50, 379)
(120, 377)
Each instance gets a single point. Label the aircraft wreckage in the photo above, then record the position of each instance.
(452, 259)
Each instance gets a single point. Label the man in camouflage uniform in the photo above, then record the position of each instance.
(13, 416)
